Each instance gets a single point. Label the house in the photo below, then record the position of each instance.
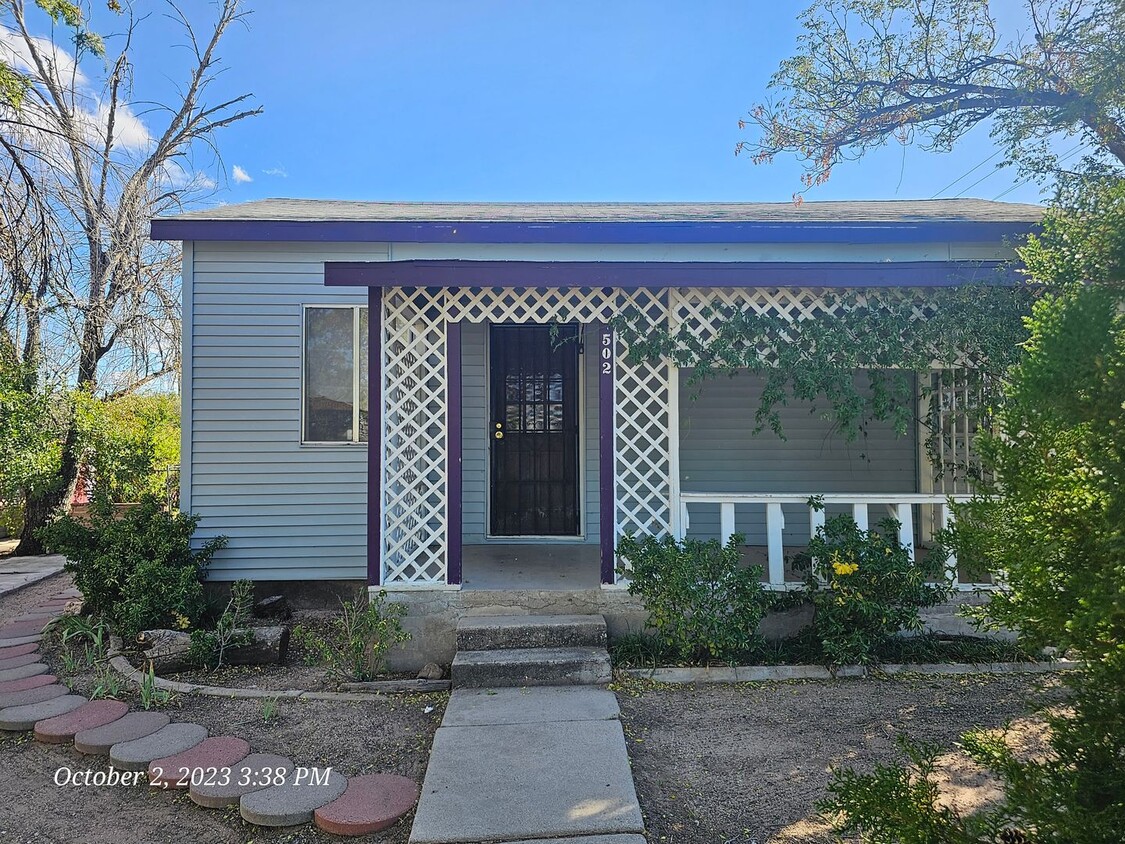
(512, 442)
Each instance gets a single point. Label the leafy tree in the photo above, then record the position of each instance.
(928, 71)
(93, 303)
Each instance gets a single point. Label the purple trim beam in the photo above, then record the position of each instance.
(606, 373)
(653, 231)
(374, 436)
(453, 451)
(640, 274)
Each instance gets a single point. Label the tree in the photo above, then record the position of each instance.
(869, 71)
(91, 302)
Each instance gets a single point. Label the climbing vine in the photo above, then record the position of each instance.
(877, 356)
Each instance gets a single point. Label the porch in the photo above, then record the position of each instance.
(646, 455)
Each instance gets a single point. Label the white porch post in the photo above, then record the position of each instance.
(946, 515)
(859, 515)
(726, 521)
(905, 514)
(775, 524)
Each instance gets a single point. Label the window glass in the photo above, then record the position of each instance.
(364, 389)
(329, 374)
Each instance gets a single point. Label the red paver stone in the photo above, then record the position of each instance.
(41, 617)
(15, 629)
(371, 802)
(96, 713)
(36, 694)
(18, 650)
(207, 761)
(18, 661)
(135, 725)
(26, 683)
(255, 772)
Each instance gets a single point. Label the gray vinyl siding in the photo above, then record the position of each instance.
(475, 430)
(291, 512)
(720, 453)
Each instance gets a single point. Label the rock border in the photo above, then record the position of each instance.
(126, 669)
(762, 673)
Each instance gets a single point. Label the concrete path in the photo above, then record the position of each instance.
(17, 572)
(546, 764)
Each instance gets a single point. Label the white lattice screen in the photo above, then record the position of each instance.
(414, 371)
(415, 498)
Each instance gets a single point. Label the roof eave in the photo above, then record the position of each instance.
(372, 231)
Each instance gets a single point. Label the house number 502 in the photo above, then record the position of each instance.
(607, 354)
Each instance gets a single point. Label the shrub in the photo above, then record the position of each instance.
(865, 589)
(359, 639)
(137, 571)
(209, 647)
(701, 600)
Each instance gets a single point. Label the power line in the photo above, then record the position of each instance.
(1061, 159)
(967, 173)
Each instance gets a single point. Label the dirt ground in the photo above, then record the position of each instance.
(391, 735)
(719, 764)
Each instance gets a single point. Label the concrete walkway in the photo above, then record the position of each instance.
(546, 764)
(17, 572)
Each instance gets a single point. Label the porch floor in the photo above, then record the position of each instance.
(562, 568)
(531, 567)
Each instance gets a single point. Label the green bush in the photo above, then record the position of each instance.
(865, 589)
(209, 647)
(359, 639)
(701, 600)
(136, 570)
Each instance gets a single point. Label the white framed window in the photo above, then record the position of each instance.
(334, 376)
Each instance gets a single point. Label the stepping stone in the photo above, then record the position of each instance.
(254, 773)
(43, 618)
(292, 802)
(21, 628)
(18, 661)
(69, 593)
(27, 683)
(20, 640)
(96, 713)
(371, 802)
(136, 755)
(34, 694)
(135, 725)
(215, 753)
(24, 671)
(18, 650)
(25, 717)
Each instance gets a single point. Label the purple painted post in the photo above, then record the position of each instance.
(606, 483)
(374, 436)
(453, 452)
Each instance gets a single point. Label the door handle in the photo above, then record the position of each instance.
(499, 432)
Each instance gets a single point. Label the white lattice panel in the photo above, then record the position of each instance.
(414, 440)
(414, 370)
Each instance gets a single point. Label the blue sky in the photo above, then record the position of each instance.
(557, 100)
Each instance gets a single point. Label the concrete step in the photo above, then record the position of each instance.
(507, 632)
(531, 667)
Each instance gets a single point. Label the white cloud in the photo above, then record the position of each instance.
(277, 171)
(240, 175)
(14, 51)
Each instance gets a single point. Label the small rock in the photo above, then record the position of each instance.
(431, 671)
(275, 606)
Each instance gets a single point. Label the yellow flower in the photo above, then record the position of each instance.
(182, 621)
(843, 569)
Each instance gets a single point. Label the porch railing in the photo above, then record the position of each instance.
(901, 504)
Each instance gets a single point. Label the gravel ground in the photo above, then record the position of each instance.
(390, 735)
(719, 764)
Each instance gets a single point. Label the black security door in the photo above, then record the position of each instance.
(534, 430)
